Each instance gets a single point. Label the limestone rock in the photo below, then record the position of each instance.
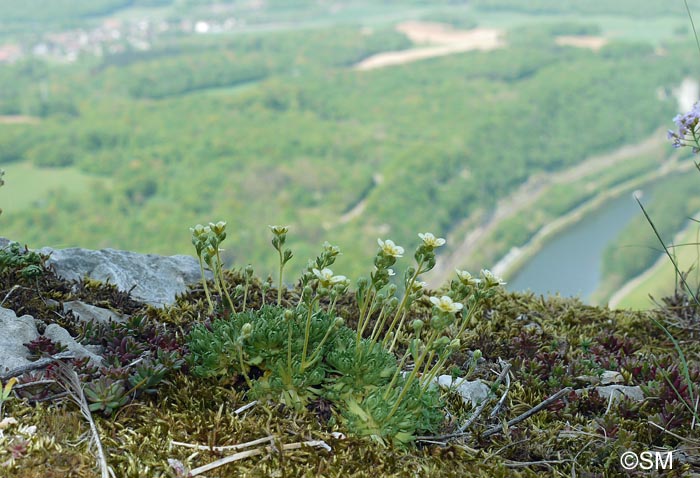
(155, 280)
(14, 332)
(87, 312)
(610, 377)
(58, 334)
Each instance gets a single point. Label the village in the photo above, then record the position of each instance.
(112, 36)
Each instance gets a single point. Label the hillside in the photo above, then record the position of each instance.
(567, 388)
(276, 126)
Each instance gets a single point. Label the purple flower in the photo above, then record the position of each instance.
(688, 132)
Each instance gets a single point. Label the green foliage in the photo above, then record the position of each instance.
(296, 355)
(454, 19)
(45, 12)
(636, 248)
(324, 117)
(106, 395)
(645, 9)
(223, 349)
(25, 263)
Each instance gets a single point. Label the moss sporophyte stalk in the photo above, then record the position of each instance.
(297, 354)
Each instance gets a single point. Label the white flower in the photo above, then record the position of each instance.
(279, 230)
(326, 277)
(418, 285)
(389, 248)
(491, 279)
(431, 241)
(390, 272)
(445, 304)
(466, 278)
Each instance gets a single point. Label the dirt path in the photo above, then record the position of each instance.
(594, 43)
(525, 196)
(18, 119)
(443, 40)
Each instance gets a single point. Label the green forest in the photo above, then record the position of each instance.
(277, 127)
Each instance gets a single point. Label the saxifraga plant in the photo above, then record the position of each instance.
(298, 354)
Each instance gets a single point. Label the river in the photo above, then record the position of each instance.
(571, 263)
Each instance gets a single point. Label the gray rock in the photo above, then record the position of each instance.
(610, 377)
(156, 280)
(87, 312)
(58, 334)
(473, 392)
(14, 332)
(618, 391)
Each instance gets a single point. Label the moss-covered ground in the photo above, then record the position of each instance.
(551, 344)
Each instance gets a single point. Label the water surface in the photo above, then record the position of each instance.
(571, 263)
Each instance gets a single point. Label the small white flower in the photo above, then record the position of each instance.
(327, 279)
(431, 241)
(418, 285)
(389, 248)
(466, 278)
(446, 304)
(390, 272)
(491, 279)
(279, 230)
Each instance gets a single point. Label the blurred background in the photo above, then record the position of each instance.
(519, 131)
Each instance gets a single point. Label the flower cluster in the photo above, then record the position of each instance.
(688, 133)
(206, 241)
(302, 352)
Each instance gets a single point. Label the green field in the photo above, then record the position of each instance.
(27, 186)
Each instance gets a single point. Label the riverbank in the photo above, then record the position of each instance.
(646, 283)
(510, 264)
(474, 235)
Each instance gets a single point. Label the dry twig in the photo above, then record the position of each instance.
(540, 406)
(69, 380)
(257, 451)
(41, 363)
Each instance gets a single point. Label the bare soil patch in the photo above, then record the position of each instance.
(594, 43)
(443, 40)
(18, 119)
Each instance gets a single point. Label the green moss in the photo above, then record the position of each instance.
(551, 343)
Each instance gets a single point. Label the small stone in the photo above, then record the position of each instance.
(618, 391)
(610, 377)
(88, 313)
(473, 392)
(6, 422)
